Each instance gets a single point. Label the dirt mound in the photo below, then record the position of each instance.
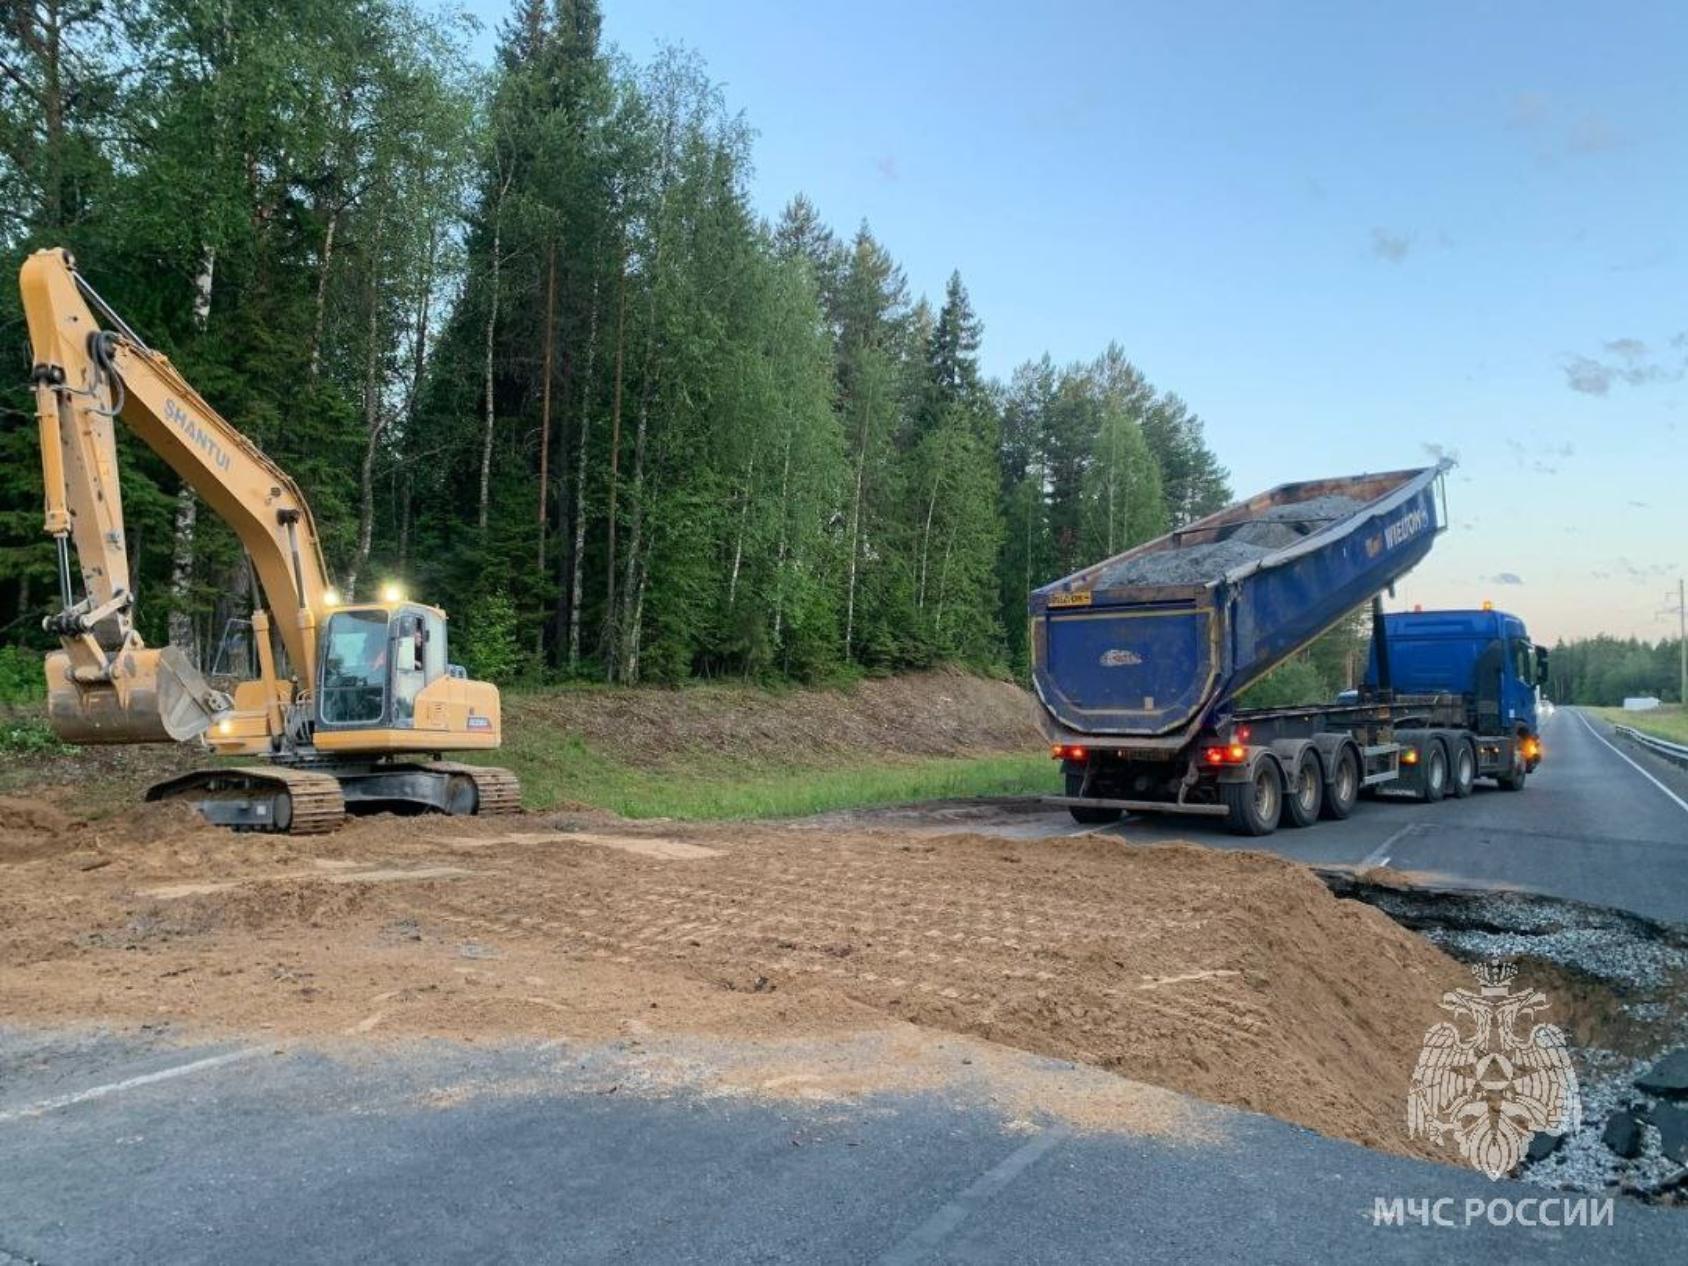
(919, 714)
(1233, 976)
(31, 828)
(1269, 530)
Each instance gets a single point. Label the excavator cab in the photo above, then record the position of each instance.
(375, 663)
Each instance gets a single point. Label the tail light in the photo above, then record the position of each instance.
(1229, 754)
(1410, 756)
(1532, 749)
(1067, 751)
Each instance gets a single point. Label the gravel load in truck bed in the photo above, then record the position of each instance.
(1266, 532)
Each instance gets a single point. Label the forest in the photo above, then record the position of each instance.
(521, 335)
(1603, 671)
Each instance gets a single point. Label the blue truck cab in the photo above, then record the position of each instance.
(1484, 655)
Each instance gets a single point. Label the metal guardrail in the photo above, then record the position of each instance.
(1676, 752)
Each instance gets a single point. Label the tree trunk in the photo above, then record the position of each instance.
(322, 295)
(576, 563)
(855, 534)
(181, 629)
(635, 529)
(374, 417)
(744, 518)
(609, 630)
(491, 329)
(545, 403)
(785, 532)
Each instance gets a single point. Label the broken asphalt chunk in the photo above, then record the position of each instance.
(1668, 1077)
(1623, 1135)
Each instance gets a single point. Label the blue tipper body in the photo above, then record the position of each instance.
(1153, 663)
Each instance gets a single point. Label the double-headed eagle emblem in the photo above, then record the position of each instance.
(1490, 1091)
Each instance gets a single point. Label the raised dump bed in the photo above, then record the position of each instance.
(1148, 647)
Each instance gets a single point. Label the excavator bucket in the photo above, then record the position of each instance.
(153, 696)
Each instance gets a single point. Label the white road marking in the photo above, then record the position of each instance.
(1589, 725)
(1380, 855)
(925, 1238)
(128, 1083)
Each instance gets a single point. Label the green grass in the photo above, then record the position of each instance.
(1667, 722)
(561, 768)
(21, 737)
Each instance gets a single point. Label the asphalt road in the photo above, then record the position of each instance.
(1600, 821)
(116, 1150)
(258, 1155)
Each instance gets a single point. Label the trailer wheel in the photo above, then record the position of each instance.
(1435, 772)
(1255, 805)
(1465, 770)
(1088, 817)
(1301, 808)
(1344, 790)
(1514, 779)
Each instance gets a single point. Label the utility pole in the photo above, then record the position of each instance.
(1682, 638)
(1681, 609)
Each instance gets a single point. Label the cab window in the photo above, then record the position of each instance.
(354, 668)
(1523, 660)
(433, 651)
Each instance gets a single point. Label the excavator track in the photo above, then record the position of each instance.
(271, 799)
(497, 791)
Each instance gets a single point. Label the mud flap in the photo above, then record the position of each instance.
(151, 696)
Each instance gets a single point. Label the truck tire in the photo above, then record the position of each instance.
(1301, 807)
(1464, 775)
(1435, 772)
(1343, 793)
(1514, 780)
(1088, 817)
(1257, 804)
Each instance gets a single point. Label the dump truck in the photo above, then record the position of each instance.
(1138, 662)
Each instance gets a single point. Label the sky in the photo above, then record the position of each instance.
(1351, 237)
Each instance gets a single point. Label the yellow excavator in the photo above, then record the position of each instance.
(353, 704)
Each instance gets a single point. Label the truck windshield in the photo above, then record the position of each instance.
(354, 668)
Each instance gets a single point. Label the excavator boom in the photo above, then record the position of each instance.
(106, 686)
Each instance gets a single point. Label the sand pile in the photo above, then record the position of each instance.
(1233, 976)
(1265, 532)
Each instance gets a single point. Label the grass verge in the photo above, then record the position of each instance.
(1669, 721)
(558, 769)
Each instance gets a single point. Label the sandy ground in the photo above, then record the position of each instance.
(1236, 977)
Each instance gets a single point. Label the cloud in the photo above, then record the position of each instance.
(1506, 578)
(1638, 573)
(1589, 376)
(1439, 452)
(1592, 134)
(1589, 133)
(1533, 456)
(1527, 110)
(886, 166)
(1639, 505)
(1626, 360)
(1393, 247)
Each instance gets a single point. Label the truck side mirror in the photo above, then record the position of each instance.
(1541, 665)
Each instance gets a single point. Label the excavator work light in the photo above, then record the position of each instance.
(391, 593)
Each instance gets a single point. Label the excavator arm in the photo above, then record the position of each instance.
(105, 685)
